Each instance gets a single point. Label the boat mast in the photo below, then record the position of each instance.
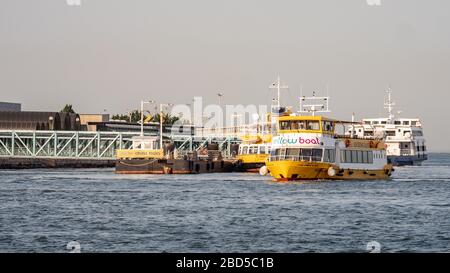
(278, 86)
(389, 104)
(314, 104)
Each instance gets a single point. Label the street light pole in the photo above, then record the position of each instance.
(220, 95)
(161, 123)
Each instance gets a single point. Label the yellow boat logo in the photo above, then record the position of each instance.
(281, 140)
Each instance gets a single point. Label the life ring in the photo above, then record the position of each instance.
(371, 144)
(263, 171)
(347, 143)
(331, 172)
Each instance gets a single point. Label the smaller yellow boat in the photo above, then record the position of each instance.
(253, 152)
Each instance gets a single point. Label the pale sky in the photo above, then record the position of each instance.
(110, 54)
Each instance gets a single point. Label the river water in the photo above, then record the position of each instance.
(42, 210)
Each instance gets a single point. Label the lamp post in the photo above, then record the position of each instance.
(220, 95)
(142, 115)
(161, 122)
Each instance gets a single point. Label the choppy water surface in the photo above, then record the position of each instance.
(42, 210)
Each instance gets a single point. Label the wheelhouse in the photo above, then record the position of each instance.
(303, 124)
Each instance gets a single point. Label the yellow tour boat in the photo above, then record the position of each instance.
(308, 148)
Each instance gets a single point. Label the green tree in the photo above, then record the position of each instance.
(167, 118)
(68, 109)
(135, 117)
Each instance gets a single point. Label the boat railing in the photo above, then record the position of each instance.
(234, 131)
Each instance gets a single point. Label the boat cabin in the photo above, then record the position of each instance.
(306, 124)
(253, 149)
(145, 143)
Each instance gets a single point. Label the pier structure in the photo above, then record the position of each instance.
(90, 146)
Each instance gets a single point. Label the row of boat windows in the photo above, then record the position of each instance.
(306, 125)
(325, 155)
(357, 156)
(390, 132)
(256, 149)
(396, 122)
(303, 154)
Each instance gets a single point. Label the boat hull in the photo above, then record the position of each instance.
(248, 167)
(283, 171)
(250, 163)
(171, 166)
(406, 160)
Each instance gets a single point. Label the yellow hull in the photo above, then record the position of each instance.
(303, 170)
(251, 162)
(252, 158)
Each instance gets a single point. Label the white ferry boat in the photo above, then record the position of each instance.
(403, 136)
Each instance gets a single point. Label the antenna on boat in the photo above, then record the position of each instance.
(278, 86)
(389, 103)
(314, 104)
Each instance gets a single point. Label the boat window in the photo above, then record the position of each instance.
(285, 125)
(354, 156)
(317, 155)
(365, 157)
(298, 125)
(413, 123)
(368, 133)
(301, 125)
(348, 156)
(305, 154)
(252, 150)
(327, 126)
(384, 122)
(367, 122)
(375, 122)
(245, 150)
(294, 125)
(397, 122)
(312, 125)
(357, 156)
(262, 149)
(332, 155)
(360, 157)
(292, 153)
(390, 133)
(405, 122)
(280, 152)
(329, 155)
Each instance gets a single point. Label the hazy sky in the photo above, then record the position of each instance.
(109, 54)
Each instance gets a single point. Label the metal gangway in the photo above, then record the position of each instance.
(93, 145)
